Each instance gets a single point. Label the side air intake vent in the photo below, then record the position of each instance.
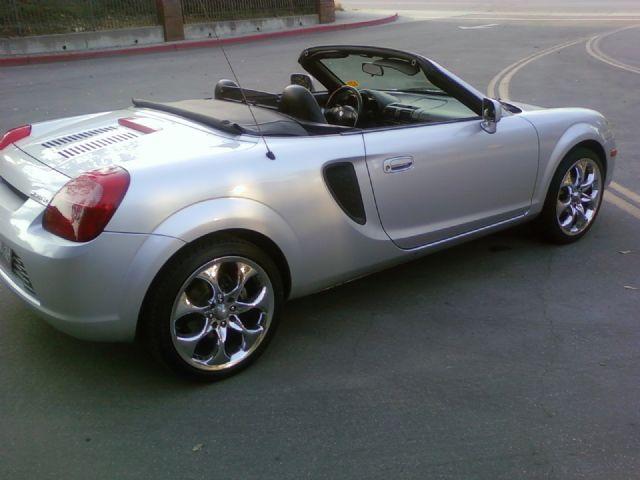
(342, 181)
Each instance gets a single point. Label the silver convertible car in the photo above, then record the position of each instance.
(187, 224)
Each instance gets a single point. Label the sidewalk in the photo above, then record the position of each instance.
(344, 21)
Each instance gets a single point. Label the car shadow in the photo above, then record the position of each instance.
(311, 327)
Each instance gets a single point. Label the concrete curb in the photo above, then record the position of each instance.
(18, 60)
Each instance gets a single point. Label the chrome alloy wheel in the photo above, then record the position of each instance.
(222, 313)
(579, 196)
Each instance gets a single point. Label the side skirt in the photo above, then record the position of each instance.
(424, 250)
(470, 235)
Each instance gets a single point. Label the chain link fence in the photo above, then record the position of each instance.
(38, 17)
(194, 11)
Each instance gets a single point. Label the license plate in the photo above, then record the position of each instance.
(5, 255)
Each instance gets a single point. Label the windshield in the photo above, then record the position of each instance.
(379, 73)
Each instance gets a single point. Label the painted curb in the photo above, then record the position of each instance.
(14, 61)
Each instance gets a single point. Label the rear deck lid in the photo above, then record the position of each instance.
(24, 177)
(60, 143)
(39, 165)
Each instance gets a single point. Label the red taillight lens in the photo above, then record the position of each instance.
(15, 134)
(81, 210)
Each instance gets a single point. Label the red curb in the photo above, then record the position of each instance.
(184, 45)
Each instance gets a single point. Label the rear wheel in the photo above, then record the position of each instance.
(213, 308)
(574, 197)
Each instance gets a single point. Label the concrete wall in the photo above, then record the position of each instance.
(146, 35)
(69, 42)
(230, 28)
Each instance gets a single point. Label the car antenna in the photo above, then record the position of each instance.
(270, 154)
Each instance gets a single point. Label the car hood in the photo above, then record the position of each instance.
(127, 137)
(525, 107)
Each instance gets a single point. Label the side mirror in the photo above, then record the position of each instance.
(303, 80)
(491, 114)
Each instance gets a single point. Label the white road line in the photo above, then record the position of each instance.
(622, 204)
(593, 49)
(630, 194)
(553, 19)
(547, 14)
(478, 27)
(470, 15)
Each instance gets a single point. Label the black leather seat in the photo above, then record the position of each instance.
(221, 88)
(300, 103)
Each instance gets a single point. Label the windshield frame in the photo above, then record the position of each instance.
(437, 75)
(349, 69)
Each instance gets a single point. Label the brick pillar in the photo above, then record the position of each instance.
(326, 10)
(170, 17)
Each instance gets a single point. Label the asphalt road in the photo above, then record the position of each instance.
(504, 358)
(500, 7)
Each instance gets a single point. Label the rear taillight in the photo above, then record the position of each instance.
(15, 134)
(81, 210)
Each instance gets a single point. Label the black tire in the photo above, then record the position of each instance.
(155, 319)
(547, 222)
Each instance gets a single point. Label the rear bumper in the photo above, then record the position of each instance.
(92, 290)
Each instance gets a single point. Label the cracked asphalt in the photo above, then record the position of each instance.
(504, 358)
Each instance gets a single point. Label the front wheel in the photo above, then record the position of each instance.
(213, 308)
(574, 197)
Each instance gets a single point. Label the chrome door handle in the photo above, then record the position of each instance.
(397, 164)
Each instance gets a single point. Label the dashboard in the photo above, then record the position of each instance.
(399, 108)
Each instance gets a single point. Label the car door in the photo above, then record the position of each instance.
(437, 181)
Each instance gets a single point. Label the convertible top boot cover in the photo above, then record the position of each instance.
(229, 116)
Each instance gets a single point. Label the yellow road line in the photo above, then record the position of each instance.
(503, 79)
(622, 204)
(630, 194)
(500, 84)
(593, 49)
(499, 87)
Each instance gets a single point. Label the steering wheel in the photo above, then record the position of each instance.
(344, 114)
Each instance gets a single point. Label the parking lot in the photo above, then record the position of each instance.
(504, 358)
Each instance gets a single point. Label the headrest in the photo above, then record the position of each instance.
(300, 103)
(221, 87)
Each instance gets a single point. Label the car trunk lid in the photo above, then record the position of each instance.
(60, 144)
(39, 165)
(23, 177)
